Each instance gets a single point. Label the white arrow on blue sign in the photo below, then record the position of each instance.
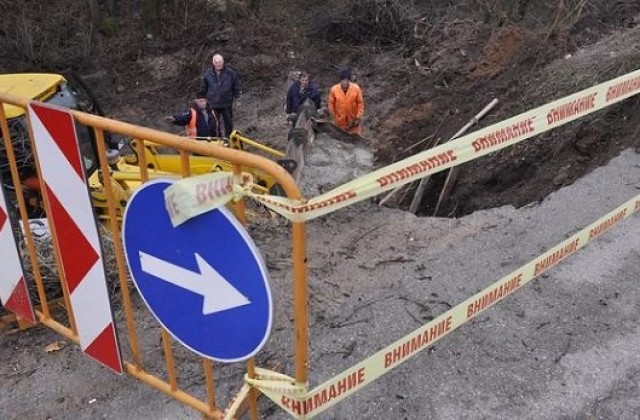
(204, 280)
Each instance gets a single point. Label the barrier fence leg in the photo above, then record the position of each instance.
(253, 394)
(300, 297)
(168, 359)
(211, 389)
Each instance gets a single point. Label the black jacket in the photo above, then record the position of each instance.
(222, 90)
(295, 97)
(203, 128)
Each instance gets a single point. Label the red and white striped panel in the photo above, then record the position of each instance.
(75, 231)
(14, 294)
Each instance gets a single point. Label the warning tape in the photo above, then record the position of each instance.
(266, 379)
(469, 147)
(277, 382)
(232, 411)
(282, 390)
(195, 195)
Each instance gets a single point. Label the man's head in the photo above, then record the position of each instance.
(304, 79)
(345, 78)
(218, 62)
(201, 101)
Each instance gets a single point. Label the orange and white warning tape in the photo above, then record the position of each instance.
(293, 399)
(206, 193)
(232, 411)
(199, 194)
(265, 379)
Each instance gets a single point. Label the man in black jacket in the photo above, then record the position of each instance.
(301, 90)
(221, 86)
(200, 121)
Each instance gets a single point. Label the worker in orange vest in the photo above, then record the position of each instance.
(346, 104)
(200, 120)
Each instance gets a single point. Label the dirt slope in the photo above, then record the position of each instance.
(426, 69)
(451, 63)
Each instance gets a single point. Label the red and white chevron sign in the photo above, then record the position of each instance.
(75, 232)
(14, 294)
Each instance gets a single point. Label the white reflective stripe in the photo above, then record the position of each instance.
(10, 266)
(90, 301)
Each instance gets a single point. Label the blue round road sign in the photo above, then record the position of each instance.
(204, 280)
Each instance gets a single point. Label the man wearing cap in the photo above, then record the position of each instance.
(200, 120)
(346, 104)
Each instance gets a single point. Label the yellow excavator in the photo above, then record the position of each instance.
(71, 92)
(166, 159)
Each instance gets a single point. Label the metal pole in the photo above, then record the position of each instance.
(117, 244)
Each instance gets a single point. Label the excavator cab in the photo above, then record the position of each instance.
(67, 91)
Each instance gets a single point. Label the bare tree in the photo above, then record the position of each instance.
(94, 11)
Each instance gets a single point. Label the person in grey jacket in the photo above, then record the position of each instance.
(301, 90)
(221, 86)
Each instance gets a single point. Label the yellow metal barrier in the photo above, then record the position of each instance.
(133, 362)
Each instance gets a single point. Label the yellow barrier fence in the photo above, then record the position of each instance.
(66, 324)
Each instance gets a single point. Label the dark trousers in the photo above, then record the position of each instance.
(227, 118)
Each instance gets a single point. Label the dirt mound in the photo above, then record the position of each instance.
(417, 116)
(502, 48)
(529, 171)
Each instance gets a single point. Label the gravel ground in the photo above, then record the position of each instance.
(564, 346)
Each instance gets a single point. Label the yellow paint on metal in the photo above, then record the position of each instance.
(237, 137)
(172, 160)
(38, 86)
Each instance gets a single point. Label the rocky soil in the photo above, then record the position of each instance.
(560, 348)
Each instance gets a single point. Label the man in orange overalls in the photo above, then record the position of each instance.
(346, 104)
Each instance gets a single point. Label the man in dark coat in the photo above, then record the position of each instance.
(301, 90)
(200, 121)
(221, 86)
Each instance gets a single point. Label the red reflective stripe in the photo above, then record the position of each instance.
(77, 254)
(20, 303)
(3, 218)
(59, 124)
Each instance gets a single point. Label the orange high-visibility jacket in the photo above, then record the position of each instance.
(346, 106)
(192, 130)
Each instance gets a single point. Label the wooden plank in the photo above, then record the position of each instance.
(417, 198)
